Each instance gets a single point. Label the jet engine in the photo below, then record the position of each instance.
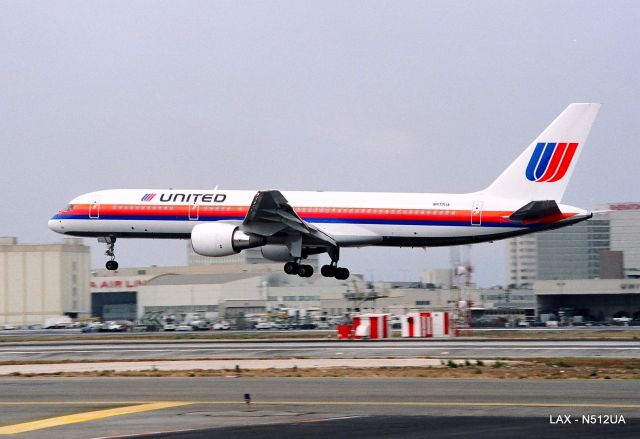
(275, 252)
(222, 239)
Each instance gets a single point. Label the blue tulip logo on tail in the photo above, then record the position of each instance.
(550, 161)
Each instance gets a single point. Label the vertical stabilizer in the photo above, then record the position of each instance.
(543, 170)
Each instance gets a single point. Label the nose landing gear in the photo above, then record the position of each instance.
(111, 264)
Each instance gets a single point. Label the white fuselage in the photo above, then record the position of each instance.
(351, 218)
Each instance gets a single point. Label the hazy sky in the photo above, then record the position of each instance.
(334, 95)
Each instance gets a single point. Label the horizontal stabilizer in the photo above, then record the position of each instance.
(536, 210)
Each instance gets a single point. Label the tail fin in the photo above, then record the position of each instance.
(543, 170)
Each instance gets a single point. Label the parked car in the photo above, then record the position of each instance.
(183, 327)
(113, 326)
(200, 325)
(169, 327)
(92, 327)
(221, 326)
(140, 327)
(265, 325)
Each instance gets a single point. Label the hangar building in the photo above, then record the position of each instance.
(115, 295)
(593, 299)
(43, 280)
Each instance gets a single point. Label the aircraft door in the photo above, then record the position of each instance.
(94, 209)
(194, 212)
(476, 213)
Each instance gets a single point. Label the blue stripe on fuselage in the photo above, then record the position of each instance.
(398, 222)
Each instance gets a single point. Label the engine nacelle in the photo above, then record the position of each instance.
(275, 252)
(222, 239)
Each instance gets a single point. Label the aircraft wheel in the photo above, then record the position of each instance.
(291, 268)
(305, 270)
(342, 273)
(111, 265)
(328, 270)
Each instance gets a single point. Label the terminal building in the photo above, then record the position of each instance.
(582, 251)
(589, 270)
(231, 291)
(43, 281)
(599, 300)
(120, 295)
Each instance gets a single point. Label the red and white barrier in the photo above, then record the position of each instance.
(427, 324)
(372, 326)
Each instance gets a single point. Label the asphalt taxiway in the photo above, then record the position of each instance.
(314, 407)
(97, 350)
(197, 407)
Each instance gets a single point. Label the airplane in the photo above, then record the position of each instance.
(292, 225)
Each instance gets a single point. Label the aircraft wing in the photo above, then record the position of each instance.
(270, 213)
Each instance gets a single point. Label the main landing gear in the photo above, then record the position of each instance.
(301, 270)
(332, 270)
(111, 264)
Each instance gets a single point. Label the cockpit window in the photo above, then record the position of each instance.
(68, 208)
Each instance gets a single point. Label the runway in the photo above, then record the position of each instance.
(198, 407)
(314, 407)
(95, 350)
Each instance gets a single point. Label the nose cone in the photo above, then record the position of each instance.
(56, 225)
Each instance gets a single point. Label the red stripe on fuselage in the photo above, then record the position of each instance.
(306, 213)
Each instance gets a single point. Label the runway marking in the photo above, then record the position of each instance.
(141, 406)
(354, 348)
(440, 403)
(74, 402)
(87, 416)
(339, 418)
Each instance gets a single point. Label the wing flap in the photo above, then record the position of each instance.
(270, 213)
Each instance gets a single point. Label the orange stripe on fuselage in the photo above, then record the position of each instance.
(309, 213)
